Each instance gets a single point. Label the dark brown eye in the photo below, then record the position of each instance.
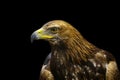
(54, 29)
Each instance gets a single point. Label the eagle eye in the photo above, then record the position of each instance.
(54, 29)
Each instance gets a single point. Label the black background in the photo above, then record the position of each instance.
(98, 23)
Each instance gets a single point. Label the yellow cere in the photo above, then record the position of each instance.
(41, 34)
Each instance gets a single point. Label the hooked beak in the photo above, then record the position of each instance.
(40, 34)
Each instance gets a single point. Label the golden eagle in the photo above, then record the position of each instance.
(72, 57)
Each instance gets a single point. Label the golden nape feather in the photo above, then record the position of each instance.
(72, 57)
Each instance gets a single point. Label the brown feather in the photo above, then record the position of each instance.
(74, 58)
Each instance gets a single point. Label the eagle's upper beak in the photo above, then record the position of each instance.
(40, 34)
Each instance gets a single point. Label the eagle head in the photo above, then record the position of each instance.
(54, 32)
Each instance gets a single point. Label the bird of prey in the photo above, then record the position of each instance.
(72, 57)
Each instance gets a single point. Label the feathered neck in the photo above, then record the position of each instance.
(75, 48)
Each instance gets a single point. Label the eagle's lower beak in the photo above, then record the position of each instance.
(40, 34)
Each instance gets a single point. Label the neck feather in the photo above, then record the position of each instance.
(75, 49)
